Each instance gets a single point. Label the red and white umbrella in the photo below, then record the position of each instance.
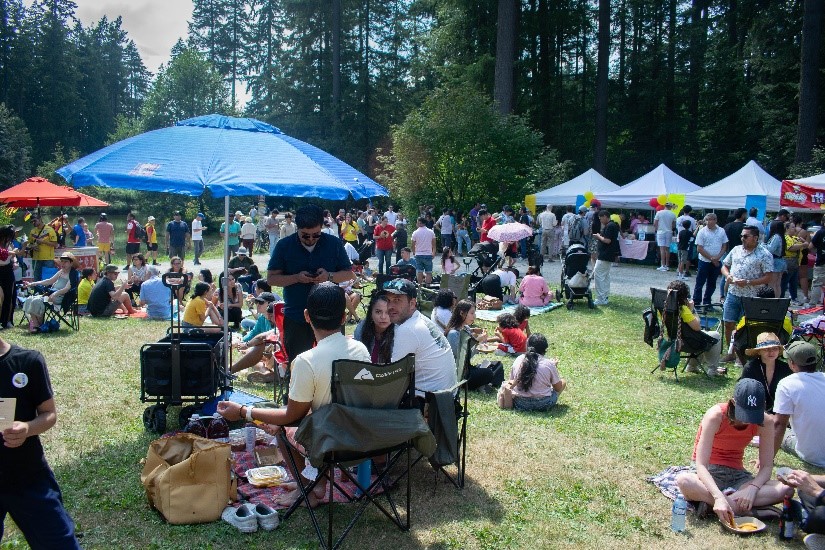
(510, 232)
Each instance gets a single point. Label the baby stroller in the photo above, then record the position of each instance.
(364, 254)
(575, 277)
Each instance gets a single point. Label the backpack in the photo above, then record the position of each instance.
(576, 231)
(140, 232)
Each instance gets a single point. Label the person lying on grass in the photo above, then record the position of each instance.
(309, 385)
(719, 449)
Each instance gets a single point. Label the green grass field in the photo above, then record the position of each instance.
(573, 478)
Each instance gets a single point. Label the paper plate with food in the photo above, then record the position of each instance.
(744, 525)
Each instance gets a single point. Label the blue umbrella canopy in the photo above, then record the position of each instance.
(227, 155)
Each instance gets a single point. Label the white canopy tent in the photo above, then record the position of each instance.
(637, 194)
(730, 193)
(567, 192)
(819, 179)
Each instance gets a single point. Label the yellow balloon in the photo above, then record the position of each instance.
(588, 195)
(587, 204)
(662, 199)
(616, 218)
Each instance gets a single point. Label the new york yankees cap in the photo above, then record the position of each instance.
(749, 396)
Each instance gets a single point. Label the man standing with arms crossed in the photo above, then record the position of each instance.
(547, 222)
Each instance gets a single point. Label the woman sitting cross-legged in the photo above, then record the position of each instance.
(538, 382)
(59, 285)
(200, 307)
(376, 331)
(721, 480)
(462, 319)
(534, 291)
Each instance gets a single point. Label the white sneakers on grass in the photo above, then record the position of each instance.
(248, 517)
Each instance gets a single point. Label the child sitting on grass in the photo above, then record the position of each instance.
(522, 315)
(87, 282)
(510, 337)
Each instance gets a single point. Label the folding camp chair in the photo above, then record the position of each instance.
(448, 418)
(370, 404)
(693, 343)
(761, 315)
(66, 311)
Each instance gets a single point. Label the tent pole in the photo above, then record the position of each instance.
(226, 340)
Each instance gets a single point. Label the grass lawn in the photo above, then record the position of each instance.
(571, 478)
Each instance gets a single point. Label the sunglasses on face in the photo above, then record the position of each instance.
(309, 236)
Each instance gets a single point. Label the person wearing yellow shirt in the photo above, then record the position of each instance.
(42, 242)
(87, 282)
(151, 240)
(349, 230)
(200, 307)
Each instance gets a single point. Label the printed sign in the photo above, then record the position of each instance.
(797, 195)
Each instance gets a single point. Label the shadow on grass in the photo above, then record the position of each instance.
(698, 382)
(557, 411)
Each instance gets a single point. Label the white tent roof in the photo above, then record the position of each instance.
(637, 194)
(566, 193)
(819, 179)
(729, 193)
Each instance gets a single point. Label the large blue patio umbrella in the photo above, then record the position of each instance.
(227, 155)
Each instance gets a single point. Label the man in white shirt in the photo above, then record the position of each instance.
(755, 222)
(566, 220)
(711, 244)
(445, 225)
(799, 399)
(392, 215)
(197, 236)
(414, 333)
(422, 243)
(663, 223)
(547, 222)
(272, 228)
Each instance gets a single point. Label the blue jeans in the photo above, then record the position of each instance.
(273, 240)
(522, 246)
(447, 240)
(706, 273)
(790, 281)
(463, 238)
(384, 257)
(36, 506)
(535, 403)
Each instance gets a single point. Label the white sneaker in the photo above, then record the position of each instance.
(242, 517)
(711, 371)
(268, 519)
(661, 268)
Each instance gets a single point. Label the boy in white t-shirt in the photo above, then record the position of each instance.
(197, 236)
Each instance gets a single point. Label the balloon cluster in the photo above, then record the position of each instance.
(591, 200)
(659, 202)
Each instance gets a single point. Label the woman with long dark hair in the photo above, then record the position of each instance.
(775, 243)
(234, 299)
(538, 382)
(687, 311)
(461, 320)
(376, 331)
(7, 297)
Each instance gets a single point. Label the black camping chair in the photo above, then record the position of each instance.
(693, 343)
(761, 315)
(449, 423)
(65, 312)
(375, 393)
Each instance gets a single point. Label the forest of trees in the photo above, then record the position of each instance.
(621, 85)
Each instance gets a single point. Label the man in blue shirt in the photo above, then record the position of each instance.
(79, 233)
(177, 237)
(300, 261)
(156, 296)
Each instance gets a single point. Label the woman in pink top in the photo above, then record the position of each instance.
(721, 480)
(534, 290)
(448, 263)
(538, 383)
(105, 244)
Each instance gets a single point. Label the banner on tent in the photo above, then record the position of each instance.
(797, 195)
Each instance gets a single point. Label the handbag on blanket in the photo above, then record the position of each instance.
(188, 478)
(489, 302)
(505, 394)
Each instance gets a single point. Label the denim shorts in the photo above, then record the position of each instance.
(535, 403)
(732, 310)
(779, 265)
(424, 264)
(684, 256)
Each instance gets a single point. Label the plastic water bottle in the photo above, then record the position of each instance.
(364, 475)
(677, 521)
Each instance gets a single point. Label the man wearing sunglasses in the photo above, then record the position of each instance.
(299, 262)
(745, 269)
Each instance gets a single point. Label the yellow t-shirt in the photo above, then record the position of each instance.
(43, 251)
(83, 291)
(151, 233)
(789, 242)
(350, 232)
(686, 314)
(195, 311)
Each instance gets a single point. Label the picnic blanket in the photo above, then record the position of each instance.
(491, 314)
(665, 480)
(270, 495)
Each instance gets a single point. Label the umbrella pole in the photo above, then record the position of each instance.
(226, 340)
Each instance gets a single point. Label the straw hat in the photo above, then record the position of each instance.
(765, 341)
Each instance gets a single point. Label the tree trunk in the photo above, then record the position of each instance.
(505, 55)
(808, 80)
(698, 39)
(622, 46)
(336, 60)
(600, 154)
(670, 84)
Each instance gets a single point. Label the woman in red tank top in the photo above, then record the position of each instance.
(721, 480)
